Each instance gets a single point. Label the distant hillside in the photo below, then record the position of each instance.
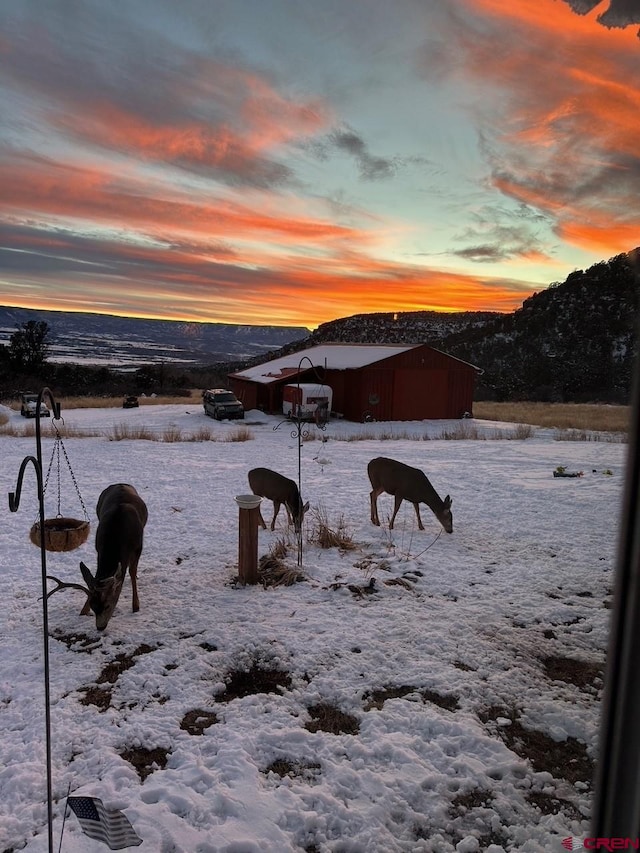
(576, 341)
(125, 341)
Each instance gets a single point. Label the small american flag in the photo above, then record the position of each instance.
(112, 828)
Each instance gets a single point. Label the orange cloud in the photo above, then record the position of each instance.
(565, 119)
(250, 121)
(96, 195)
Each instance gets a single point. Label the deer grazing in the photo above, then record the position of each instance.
(409, 484)
(281, 490)
(122, 515)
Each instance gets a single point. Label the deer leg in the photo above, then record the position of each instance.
(396, 507)
(276, 510)
(261, 520)
(417, 509)
(133, 573)
(289, 516)
(373, 497)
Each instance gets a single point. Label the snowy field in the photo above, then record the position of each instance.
(415, 693)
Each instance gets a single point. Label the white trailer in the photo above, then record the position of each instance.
(307, 401)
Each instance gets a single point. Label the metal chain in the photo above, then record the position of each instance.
(46, 481)
(57, 448)
(73, 478)
(56, 454)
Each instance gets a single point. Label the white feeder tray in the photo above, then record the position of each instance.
(248, 501)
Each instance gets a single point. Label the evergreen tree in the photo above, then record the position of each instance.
(28, 348)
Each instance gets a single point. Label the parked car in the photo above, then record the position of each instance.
(29, 405)
(222, 404)
(130, 402)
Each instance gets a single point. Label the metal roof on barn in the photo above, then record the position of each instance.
(331, 356)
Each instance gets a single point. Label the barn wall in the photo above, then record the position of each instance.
(245, 391)
(335, 379)
(461, 389)
(420, 394)
(402, 395)
(420, 384)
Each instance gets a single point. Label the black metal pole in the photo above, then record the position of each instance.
(299, 433)
(14, 503)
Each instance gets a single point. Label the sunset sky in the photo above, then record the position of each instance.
(290, 162)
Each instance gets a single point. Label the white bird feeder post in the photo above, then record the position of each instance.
(248, 538)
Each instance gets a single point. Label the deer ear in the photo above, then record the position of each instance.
(305, 507)
(88, 577)
(447, 501)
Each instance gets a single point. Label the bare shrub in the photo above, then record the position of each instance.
(20, 431)
(273, 569)
(463, 431)
(327, 537)
(280, 548)
(120, 432)
(28, 430)
(201, 434)
(382, 435)
(583, 435)
(521, 432)
(241, 433)
(172, 434)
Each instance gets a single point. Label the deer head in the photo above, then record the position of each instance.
(445, 516)
(102, 595)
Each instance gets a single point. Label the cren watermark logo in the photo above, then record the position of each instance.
(601, 843)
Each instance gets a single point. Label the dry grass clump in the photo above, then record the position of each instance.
(172, 434)
(201, 434)
(583, 435)
(462, 431)
(580, 416)
(28, 430)
(328, 537)
(382, 435)
(273, 569)
(241, 433)
(520, 432)
(121, 432)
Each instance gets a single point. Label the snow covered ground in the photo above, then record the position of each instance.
(414, 693)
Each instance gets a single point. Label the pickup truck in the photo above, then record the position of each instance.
(29, 404)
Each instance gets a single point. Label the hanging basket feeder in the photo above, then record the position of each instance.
(60, 534)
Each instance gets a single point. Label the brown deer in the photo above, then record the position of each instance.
(281, 490)
(409, 484)
(122, 515)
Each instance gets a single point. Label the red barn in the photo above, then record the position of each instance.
(386, 382)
